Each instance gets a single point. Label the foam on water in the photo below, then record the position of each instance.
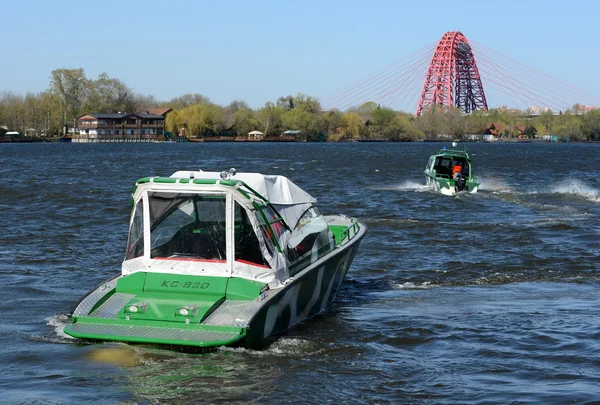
(58, 322)
(408, 185)
(282, 347)
(413, 286)
(495, 185)
(577, 188)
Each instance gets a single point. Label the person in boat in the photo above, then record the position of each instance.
(458, 176)
(456, 169)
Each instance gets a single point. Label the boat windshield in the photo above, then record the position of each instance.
(135, 242)
(192, 226)
(187, 226)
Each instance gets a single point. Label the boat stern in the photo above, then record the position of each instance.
(160, 308)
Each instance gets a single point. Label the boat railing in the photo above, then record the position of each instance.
(344, 234)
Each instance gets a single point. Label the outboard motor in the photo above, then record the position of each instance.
(460, 181)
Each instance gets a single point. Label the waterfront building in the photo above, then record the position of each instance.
(120, 127)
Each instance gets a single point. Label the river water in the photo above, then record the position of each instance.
(486, 298)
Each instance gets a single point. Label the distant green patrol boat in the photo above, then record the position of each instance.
(450, 172)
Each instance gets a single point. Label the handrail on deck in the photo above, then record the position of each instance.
(348, 233)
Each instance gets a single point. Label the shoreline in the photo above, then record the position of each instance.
(270, 140)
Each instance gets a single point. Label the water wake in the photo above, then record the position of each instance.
(495, 185)
(58, 322)
(577, 188)
(282, 347)
(408, 185)
(412, 286)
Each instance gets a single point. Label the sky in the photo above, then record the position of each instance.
(258, 51)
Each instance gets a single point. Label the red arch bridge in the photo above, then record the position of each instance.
(453, 73)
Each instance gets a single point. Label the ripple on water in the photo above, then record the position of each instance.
(489, 297)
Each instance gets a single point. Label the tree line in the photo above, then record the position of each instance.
(70, 94)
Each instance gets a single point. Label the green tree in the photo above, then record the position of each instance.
(545, 119)
(237, 105)
(34, 113)
(310, 125)
(285, 103)
(352, 125)
(187, 100)
(332, 121)
(591, 125)
(245, 121)
(569, 126)
(476, 122)
(440, 121)
(367, 108)
(381, 117)
(71, 86)
(307, 103)
(12, 112)
(269, 119)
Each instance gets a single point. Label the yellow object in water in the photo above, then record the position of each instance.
(119, 356)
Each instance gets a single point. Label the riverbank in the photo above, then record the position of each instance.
(266, 140)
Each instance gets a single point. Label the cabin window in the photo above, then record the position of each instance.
(311, 234)
(247, 247)
(429, 164)
(135, 243)
(272, 225)
(187, 226)
(443, 166)
(267, 234)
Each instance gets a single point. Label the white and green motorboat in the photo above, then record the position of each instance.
(450, 172)
(219, 259)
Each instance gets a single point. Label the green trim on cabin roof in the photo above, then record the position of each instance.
(239, 185)
(167, 180)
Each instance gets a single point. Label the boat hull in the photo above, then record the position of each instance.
(309, 294)
(248, 322)
(448, 186)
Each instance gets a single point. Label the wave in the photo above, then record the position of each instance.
(281, 347)
(494, 185)
(408, 185)
(58, 322)
(577, 188)
(412, 286)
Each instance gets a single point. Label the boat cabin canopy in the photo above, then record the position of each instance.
(247, 225)
(445, 160)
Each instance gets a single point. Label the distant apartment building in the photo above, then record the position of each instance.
(146, 126)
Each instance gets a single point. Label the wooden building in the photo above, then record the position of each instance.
(120, 127)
